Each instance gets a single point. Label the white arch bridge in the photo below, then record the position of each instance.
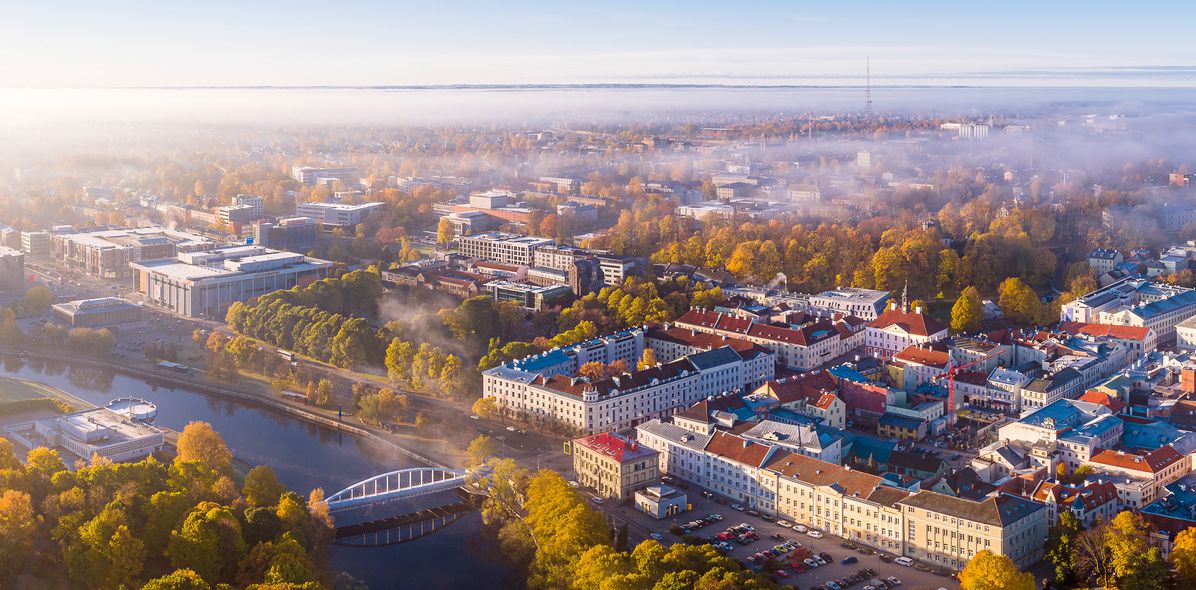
(404, 483)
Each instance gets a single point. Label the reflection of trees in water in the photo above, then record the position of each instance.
(55, 367)
(12, 364)
(92, 378)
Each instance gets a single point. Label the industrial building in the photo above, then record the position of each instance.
(204, 284)
(85, 434)
(337, 214)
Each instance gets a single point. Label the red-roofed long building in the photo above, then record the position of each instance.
(801, 348)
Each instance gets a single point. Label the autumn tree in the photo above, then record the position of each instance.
(445, 232)
(989, 571)
(1060, 547)
(200, 442)
(485, 407)
(1136, 564)
(323, 396)
(1018, 301)
(648, 359)
(481, 449)
(1183, 556)
(18, 524)
(261, 487)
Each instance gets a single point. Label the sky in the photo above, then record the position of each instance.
(120, 43)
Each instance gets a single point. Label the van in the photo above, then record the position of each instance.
(903, 561)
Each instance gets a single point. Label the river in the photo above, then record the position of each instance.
(304, 456)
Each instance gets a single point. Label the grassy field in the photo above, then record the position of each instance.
(21, 396)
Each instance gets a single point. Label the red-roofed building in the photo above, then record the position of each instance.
(811, 394)
(1138, 339)
(897, 329)
(1093, 501)
(1140, 478)
(802, 348)
(919, 364)
(866, 402)
(1110, 401)
(615, 466)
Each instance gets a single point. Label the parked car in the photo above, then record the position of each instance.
(784, 523)
(833, 586)
(781, 574)
(801, 528)
(810, 562)
(815, 534)
(893, 580)
(903, 560)
(753, 512)
(655, 536)
(848, 560)
(826, 556)
(738, 507)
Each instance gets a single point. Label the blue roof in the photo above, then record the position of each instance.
(899, 421)
(786, 415)
(848, 373)
(1063, 412)
(1148, 436)
(1094, 428)
(539, 362)
(1166, 305)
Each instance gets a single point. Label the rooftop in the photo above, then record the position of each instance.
(621, 448)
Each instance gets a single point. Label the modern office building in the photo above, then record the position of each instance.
(528, 295)
(504, 248)
(296, 234)
(337, 214)
(103, 312)
(12, 269)
(204, 284)
(310, 175)
(108, 253)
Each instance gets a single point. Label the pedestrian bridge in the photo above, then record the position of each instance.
(404, 483)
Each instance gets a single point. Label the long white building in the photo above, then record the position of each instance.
(1135, 302)
(204, 284)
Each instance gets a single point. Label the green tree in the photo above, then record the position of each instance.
(967, 313)
(200, 442)
(451, 379)
(324, 393)
(262, 487)
(126, 556)
(183, 579)
(1060, 548)
(398, 361)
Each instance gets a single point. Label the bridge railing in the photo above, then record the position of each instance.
(403, 483)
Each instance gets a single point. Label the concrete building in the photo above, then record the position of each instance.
(104, 312)
(310, 176)
(337, 214)
(504, 248)
(1104, 260)
(563, 185)
(99, 431)
(12, 269)
(805, 192)
(36, 244)
(616, 268)
(204, 284)
(295, 234)
(614, 466)
(529, 295)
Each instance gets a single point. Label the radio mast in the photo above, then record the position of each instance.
(868, 85)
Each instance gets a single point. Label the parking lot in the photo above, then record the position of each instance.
(911, 578)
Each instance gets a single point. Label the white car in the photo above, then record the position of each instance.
(815, 534)
(801, 528)
(655, 536)
(785, 523)
(903, 561)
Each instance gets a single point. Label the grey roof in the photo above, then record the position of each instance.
(686, 438)
(1000, 511)
(714, 358)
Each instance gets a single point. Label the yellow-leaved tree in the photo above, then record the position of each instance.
(989, 571)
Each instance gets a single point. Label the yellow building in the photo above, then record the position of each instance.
(615, 466)
(948, 531)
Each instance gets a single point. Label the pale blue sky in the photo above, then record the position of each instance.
(222, 42)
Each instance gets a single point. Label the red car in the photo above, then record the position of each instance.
(781, 574)
(798, 566)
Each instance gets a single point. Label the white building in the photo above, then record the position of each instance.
(310, 175)
(337, 214)
(866, 304)
(1135, 302)
(801, 348)
(897, 329)
(98, 431)
(499, 247)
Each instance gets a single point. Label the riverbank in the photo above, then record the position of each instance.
(202, 385)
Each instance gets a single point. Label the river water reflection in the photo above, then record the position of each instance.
(305, 456)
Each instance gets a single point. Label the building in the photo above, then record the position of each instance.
(893, 425)
(812, 395)
(660, 501)
(1135, 302)
(1071, 431)
(503, 248)
(294, 234)
(1139, 340)
(36, 244)
(1104, 260)
(564, 185)
(311, 176)
(1140, 478)
(805, 192)
(85, 434)
(107, 254)
(866, 304)
(530, 296)
(337, 214)
(104, 312)
(204, 284)
(947, 531)
(533, 388)
(899, 328)
(672, 343)
(616, 268)
(12, 269)
(615, 466)
(802, 348)
(1090, 503)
